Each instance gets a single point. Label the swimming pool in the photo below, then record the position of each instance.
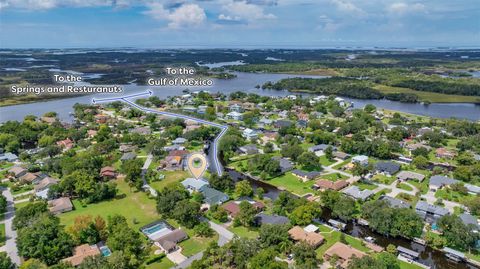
(157, 230)
(105, 251)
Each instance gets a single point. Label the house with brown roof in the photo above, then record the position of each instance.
(41, 189)
(325, 184)
(100, 118)
(65, 144)
(17, 171)
(444, 153)
(91, 133)
(345, 253)
(60, 205)
(168, 242)
(28, 178)
(408, 175)
(233, 207)
(81, 253)
(108, 172)
(314, 239)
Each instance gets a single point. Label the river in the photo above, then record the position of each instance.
(245, 82)
(428, 256)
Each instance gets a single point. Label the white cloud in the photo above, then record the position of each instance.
(348, 7)
(241, 10)
(187, 15)
(401, 8)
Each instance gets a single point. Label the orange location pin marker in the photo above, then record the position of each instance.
(197, 164)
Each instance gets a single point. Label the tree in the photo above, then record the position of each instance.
(45, 240)
(308, 160)
(203, 230)
(168, 198)
(28, 214)
(474, 205)
(268, 148)
(344, 208)
(263, 260)
(123, 238)
(457, 234)
(246, 215)
(260, 192)
(329, 153)
(304, 215)
(3, 204)
(33, 264)
(366, 262)
(187, 213)
(243, 188)
(85, 229)
(292, 151)
(222, 183)
(305, 256)
(360, 170)
(369, 108)
(274, 236)
(133, 172)
(218, 213)
(420, 162)
(5, 262)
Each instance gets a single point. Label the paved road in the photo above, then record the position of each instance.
(147, 163)
(11, 235)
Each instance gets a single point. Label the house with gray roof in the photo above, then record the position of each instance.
(192, 184)
(388, 168)
(438, 182)
(430, 213)
(285, 165)
(9, 157)
(248, 149)
(128, 156)
(262, 218)
(305, 175)
(212, 196)
(282, 123)
(408, 175)
(394, 202)
(179, 141)
(357, 194)
(468, 219)
(360, 159)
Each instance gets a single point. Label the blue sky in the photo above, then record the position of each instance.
(238, 23)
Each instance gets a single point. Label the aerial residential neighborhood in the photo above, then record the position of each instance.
(119, 190)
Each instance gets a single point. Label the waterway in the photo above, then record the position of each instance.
(245, 82)
(428, 256)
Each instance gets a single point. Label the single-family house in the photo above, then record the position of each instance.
(248, 149)
(9, 157)
(360, 159)
(60, 205)
(408, 175)
(282, 123)
(325, 184)
(356, 193)
(171, 163)
(41, 189)
(169, 241)
(236, 108)
(394, 202)
(250, 134)
(341, 155)
(108, 172)
(82, 252)
(65, 144)
(344, 253)
(263, 218)
(128, 156)
(192, 184)
(143, 130)
(179, 141)
(17, 171)
(444, 153)
(430, 213)
(285, 164)
(388, 168)
(320, 149)
(314, 239)
(234, 115)
(212, 196)
(304, 175)
(233, 207)
(437, 182)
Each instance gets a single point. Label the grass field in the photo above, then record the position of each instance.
(404, 186)
(333, 176)
(326, 162)
(2, 234)
(365, 186)
(162, 264)
(331, 237)
(244, 232)
(170, 177)
(292, 184)
(136, 207)
(429, 96)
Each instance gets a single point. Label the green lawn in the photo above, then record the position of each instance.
(193, 244)
(292, 184)
(2, 234)
(20, 205)
(326, 162)
(384, 179)
(342, 164)
(406, 265)
(164, 263)
(133, 205)
(404, 186)
(422, 186)
(333, 176)
(170, 177)
(243, 232)
(454, 196)
(407, 198)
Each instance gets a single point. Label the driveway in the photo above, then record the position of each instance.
(176, 256)
(10, 234)
(224, 234)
